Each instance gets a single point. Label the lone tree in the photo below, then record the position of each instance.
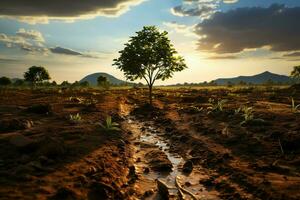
(103, 82)
(4, 81)
(295, 74)
(150, 56)
(36, 75)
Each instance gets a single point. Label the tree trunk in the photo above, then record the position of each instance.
(150, 94)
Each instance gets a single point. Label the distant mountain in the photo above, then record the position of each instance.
(92, 79)
(256, 79)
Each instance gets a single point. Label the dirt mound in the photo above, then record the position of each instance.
(146, 109)
(51, 147)
(158, 160)
(10, 125)
(20, 141)
(42, 109)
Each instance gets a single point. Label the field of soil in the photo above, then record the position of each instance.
(185, 146)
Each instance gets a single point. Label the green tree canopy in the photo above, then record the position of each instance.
(85, 84)
(5, 81)
(65, 84)
(295, 74)
(149, 55)
(36, 74)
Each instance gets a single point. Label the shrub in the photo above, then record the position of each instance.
(4, 81)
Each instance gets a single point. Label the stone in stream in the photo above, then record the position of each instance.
(146, 170)
(188, 166)
(163, 189)
(158, 160)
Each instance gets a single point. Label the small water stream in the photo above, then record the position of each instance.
(148, 133)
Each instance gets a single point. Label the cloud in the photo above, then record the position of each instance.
(199, 8)
(8, 60)
(30, 34)
(294, 54)
(181, 28)
(33, 11)
(230, 1)
(60, 50)
(276, 28)
(30, 40)
(222, 57)
(70, 52)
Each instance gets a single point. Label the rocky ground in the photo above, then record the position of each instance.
(183, 147)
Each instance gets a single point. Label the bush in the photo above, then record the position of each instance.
(4, 81)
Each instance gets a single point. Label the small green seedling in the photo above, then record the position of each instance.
(75, 118)
(109, 125)
(247, 114)
(216, 106)
(238, 110)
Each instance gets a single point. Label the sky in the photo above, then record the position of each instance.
(217, 38)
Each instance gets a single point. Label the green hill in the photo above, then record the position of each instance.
(92, 79)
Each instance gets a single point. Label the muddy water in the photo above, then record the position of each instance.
(149, 134)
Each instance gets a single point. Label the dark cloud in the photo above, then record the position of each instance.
(200, 8)
(276, 27)
(197, 11)
(60, 50)
(70, 52)
(63, 8)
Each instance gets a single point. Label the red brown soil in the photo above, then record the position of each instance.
(243, 162)
(47, 156)
(64, 159)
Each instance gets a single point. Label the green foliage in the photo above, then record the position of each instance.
(103, 82)
(216, 106)
(150, 56)
(4, 81)
(248, 115)
(295, 108)
(84, 84)
(75, 118)
(36, 75)
(295, 74)
(65, 84)
(109, 125)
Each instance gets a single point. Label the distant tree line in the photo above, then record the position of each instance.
(39, 76)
